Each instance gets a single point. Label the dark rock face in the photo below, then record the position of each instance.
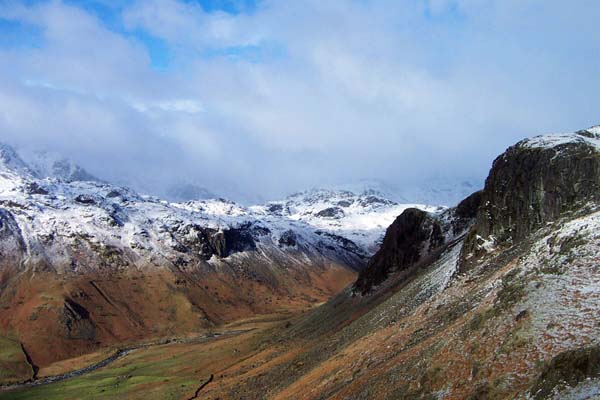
(410, 237)
(196, 239)
(288, 238)
(417, 236)
(344, 203)
(76, 321)
(234, 240)
(467, 209)
(13, 247)
(331, 212)
(568, 368)
(344, 243)
(529, 186)
(34, 188)
(374, 200)
(277, 209)
(113, 194)
(465, 212)
(85, 199)
(207, 242)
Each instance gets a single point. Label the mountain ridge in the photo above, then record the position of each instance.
(82, 257)
(521, 321)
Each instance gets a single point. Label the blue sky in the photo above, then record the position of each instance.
(267, 97)
(16, 34)
(158, 49)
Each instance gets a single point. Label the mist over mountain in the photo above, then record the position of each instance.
(237, 98)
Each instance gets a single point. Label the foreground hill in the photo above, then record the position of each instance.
(497, 298)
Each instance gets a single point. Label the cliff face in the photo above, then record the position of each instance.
(416, 237)
(410, 237)
(532, 183)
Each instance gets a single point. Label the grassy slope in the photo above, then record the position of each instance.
(13, 363)
(171, 371)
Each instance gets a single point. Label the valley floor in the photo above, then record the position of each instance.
(173, 370)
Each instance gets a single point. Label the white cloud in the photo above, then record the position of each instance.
(179, 105)
(361, 88)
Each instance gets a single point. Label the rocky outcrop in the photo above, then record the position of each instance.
(331, 212)
(532, 183)
(568, 368)
(234, 240)
(412, 236)
(465, 212)
(75, 320)
(417, 236)
(12, 245)
(85, 199)
(288, 238)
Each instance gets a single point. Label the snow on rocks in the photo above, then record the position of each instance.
(361, 217)
(58, 212)
(589, 136)
(565, 296)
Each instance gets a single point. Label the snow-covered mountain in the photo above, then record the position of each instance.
(46, 164)
(361, 217)
(11, 162)
(52, 197)
(446, 192)
(102, 264)
(60, 219)
(186, 191)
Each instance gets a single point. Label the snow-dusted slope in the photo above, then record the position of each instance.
(61, 209)
(58, 205)
(590, 136)
(69, 224)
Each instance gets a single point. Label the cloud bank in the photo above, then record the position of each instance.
(255, 100)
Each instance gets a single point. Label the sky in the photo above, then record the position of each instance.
(254, 99)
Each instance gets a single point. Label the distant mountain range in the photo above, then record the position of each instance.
(208, 259)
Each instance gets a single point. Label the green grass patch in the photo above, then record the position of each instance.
(147, 374)
(13, 363)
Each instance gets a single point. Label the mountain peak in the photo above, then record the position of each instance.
(590, 136)
(10, 160)
(535, 182)
(47, 164)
